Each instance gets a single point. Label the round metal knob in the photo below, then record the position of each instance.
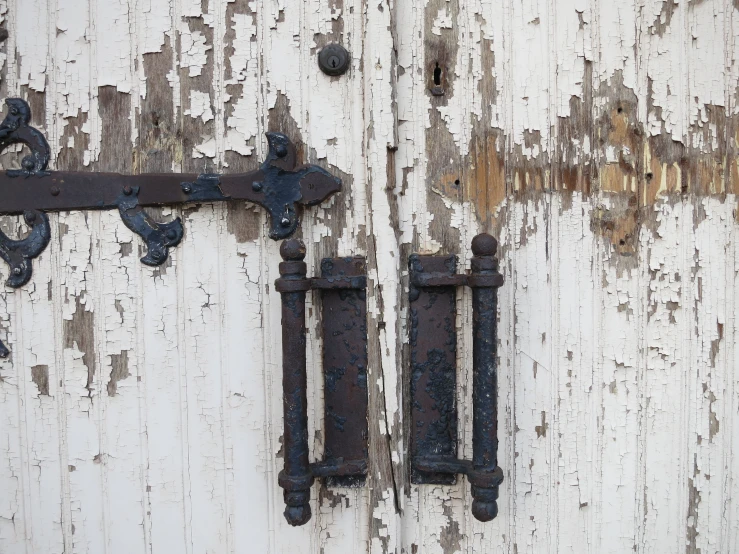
(333, 59)
(292, 250)
(484, 245)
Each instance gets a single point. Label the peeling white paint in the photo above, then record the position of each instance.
(194, 50)
(618, 386)
(242, 124)
(200, 106)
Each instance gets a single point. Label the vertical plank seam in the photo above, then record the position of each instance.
(136, 279)
(596, 262)
(51, 105)
(99, 403)
(552, 241)
(265, 297)
(219, 214)
(512, 277)
(19, 362)
(14, 307)
(690, 376)
(182, 338)
(642, 275)
(730, 336)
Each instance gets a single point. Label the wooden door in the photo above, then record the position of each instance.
(141, 408)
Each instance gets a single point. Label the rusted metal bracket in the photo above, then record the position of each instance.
(433, 342)
(280, 185)
(342, 284)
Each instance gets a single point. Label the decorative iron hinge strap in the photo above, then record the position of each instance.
(343, 317)
(280, 186)
(433, 342)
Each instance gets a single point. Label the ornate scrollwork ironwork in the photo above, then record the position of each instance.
(280, 185)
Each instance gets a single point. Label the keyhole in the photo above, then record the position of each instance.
(437, 75)
(334, 62)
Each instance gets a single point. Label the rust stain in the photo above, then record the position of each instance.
(485, 183)
(619, 224)
(622, 136)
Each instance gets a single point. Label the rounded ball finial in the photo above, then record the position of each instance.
(484, 511)
(484, 245)
(292, 250)
(297, 515)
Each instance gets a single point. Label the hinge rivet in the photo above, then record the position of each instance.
(54, 190)
(127, 190)
(186, 188)
(256, 186)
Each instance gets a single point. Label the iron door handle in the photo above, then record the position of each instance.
(344, 315)
(433, 341)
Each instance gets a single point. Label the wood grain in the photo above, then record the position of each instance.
(141, 407)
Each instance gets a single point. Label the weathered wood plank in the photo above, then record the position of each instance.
(160, 340)
(598, 140)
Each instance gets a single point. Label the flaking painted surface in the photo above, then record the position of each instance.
(141, 407)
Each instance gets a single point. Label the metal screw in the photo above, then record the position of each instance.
(285, 222)
(256, 186)
(281, 151)
(17, 271)
(186, 188)
(54, 190)
(127, 190)
(156, 255)
(171, 234)
(30, 217)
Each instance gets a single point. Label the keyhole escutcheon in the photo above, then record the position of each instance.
(334, 60)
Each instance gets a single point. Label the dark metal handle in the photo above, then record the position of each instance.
(296, 477)
(343, 307)
(485, 476)
(433, 373)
